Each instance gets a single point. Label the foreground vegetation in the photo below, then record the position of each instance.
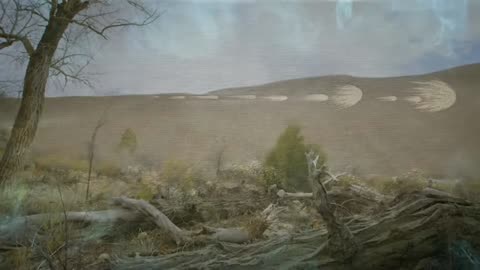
(250, 210)
(190, 199)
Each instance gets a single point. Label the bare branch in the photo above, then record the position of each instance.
(10, 39)
(93, 24)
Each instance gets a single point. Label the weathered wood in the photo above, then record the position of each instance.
(340, 243)
(21, 229)
(160, 219)
(419, 230)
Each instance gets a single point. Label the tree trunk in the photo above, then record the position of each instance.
(341, 243)
(33, 97)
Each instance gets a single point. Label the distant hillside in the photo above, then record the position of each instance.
(462, 74)
(369, 125)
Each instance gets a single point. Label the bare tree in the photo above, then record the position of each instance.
(44, 30)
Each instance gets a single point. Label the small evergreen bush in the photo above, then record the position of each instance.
(288, 159)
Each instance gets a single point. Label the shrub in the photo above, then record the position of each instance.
(145, 192)
(270, 176)
(250, 172)
(288, 158)
(128, 141)
(108, 169)
(180, 175)
(409, 182)
(256, 226)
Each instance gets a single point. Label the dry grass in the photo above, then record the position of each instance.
(145, 192)
(468, 189)
(146, 243)
(60, 162)
(408, 182)
(20, 258)
(108, 169)
(181, 176)
(256, 226)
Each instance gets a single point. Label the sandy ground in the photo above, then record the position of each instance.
(365, 134)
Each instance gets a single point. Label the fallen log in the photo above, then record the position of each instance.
(420, 230)
(21, 229)
(163, 222)
(231, 235)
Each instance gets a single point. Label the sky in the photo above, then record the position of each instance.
(202, 45)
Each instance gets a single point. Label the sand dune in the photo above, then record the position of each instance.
(368, 136)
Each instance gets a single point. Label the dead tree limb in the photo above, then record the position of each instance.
(341, 243)
(20, 229)
(91, 151)
(180, 236)
(420, 230)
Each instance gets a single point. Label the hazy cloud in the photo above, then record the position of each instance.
(201, 45)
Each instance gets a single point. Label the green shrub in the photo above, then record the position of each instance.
(288, 158)
(128, 141)
(269, 177)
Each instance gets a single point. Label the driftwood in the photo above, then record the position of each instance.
(420, 230)
(21, 229)
(356, 189)
(340, 243)
(162, 221)
(231, 235)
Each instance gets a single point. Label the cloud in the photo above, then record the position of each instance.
(202, 45)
